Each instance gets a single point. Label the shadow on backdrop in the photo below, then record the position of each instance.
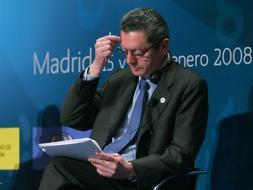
(27, 176)
(233, 158)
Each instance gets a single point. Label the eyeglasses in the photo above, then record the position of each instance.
(138, 53)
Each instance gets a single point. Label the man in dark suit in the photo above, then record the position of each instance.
(172, 125)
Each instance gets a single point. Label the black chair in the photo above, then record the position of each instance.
(180, 182)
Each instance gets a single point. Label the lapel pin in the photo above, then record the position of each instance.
(162, 100)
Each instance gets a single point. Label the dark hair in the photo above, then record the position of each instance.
(147, 20)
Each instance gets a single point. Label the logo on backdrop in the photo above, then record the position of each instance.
(218, 57)
(70, 62)
(9, 148)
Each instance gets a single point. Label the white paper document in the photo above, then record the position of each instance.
(75, 148)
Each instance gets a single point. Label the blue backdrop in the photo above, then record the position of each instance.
(45, 44)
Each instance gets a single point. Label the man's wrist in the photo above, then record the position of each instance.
(86, 76)
(94, 70)
(131, 173)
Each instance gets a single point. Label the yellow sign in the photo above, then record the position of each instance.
(9, 148)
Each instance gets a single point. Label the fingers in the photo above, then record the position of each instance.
(104, 171)
(112, 38)
(104, 167)
(112, 165)
(107, 42)
(104, 46)
(100, 163)
(104, 158)
(110, 157)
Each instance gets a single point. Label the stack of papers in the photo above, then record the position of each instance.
(80, 149)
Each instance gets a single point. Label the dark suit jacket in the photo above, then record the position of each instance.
(171, 131)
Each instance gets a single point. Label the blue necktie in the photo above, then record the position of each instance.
(134, 122)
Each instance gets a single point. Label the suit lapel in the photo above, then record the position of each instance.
(159, 99)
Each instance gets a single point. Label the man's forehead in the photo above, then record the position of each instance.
(133, 38)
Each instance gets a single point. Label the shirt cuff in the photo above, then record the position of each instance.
(88, 77)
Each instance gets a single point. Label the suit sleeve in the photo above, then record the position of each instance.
(81, 105)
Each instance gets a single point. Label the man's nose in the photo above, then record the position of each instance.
(130, 59)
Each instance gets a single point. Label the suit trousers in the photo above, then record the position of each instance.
(64, 173)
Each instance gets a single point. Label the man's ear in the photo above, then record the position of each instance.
(164, 46)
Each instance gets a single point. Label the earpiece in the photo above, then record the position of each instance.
(155, 77)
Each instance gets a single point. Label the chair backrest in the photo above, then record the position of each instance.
(180, 182)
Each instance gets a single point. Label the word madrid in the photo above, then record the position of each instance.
(69, 63)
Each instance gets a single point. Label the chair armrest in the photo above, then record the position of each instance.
(174, 177)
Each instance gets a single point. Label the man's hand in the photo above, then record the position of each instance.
(104, 48)
(112, 165)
